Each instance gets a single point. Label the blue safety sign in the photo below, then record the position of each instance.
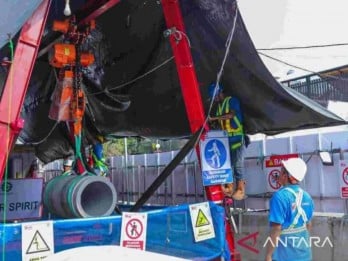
(215, 156)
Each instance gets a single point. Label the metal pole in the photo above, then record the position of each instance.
(126, 167)
(190, 91)
(18, 79)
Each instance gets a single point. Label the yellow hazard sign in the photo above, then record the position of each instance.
(202, 223)
(201, 219)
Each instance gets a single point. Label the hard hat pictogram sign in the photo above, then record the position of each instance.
(37, 244)
(273, 179)
(345, 175)
(202, 220)
(134, 228)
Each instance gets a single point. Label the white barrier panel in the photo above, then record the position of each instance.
(108, 253)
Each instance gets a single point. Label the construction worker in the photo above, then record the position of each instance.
(229, 116)
(291, 211)
(67, 165)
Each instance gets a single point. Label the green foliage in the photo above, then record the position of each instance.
(117, 146)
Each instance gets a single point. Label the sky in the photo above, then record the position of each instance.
(288, 23)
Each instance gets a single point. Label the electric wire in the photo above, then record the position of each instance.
(219, 74)
(7, 149)
(135, 79)
(54, 126)
(301, 47)
(303, 69)
(46, 137)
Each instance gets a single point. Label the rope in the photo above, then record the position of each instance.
(219, 74)
(46, 137)
(135, 79)
(7, 151)
(227, 45)
(322, 75)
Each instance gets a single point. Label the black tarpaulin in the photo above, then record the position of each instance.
(133, 87)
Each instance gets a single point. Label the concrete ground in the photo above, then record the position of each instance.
(329, 236)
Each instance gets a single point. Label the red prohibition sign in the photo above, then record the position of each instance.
(345, 175)
(134, 228)
(273, 179)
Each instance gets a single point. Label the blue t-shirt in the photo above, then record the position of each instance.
(283, 211)
(283, 208)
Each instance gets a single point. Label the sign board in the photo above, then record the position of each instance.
(133, 230)
(23, 198)
(272, 168)
(215, 156)
(202, 222)
(343, 177)
(37, 240)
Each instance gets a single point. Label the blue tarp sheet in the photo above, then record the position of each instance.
(169, 231)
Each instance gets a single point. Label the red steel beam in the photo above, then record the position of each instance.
(92, 11)
(18, 79)
(190, 90)
(98, 9)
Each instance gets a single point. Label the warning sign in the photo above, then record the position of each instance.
(276, 160)
(37, 244)
(134, 228)
(202, 223)
(133, 231)
(272, 167)
(202, 220)
(344, 192)
(273, 179)
(37, 240)
(343, 173)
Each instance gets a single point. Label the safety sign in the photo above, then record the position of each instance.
(202, 223)
(272, 167)
(276, 160)
(343, 173)
(133, 230)
(273, 179)
(215, 155)
(37, 240)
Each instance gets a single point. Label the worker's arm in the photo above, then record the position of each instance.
(273, 239)
(226, 116)
(309, 226)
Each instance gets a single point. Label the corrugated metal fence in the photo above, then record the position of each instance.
(133, 174)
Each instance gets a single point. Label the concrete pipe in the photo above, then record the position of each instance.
(74, 196)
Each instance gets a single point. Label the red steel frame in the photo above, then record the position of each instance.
(22, 66)
(17, 81)
(191, 93)
(25, 56)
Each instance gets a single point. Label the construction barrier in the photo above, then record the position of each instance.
(169, 231)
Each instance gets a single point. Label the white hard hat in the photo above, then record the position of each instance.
(68, 162)
(296, 168)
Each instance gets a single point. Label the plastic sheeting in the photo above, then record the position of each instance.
(169, 231)
(133, 88)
